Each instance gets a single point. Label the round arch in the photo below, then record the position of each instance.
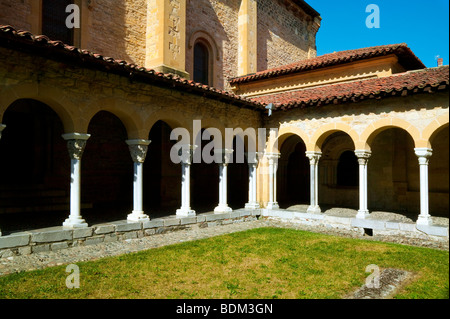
(377, 127)
(283, 134)
(55, 98)
(129, 118)
(433, 129)
(326, 130)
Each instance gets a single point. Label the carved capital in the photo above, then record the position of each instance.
(138, 149)
(423, 154)
(363, 156)
(185, 152)
(223, 156)
(76, 143)
(314, 157)
(253, 158)
(76, 148)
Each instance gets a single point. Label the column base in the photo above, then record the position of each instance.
(314, 209)
(272, 205)
(222, 209)
(252, 206)
(362, 214)
(424, 220)
(185, 212)
(75, 223)
(138, 216)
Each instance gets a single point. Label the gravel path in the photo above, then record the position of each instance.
(92, 252)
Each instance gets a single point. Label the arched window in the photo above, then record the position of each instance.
(54, 20)
(348, 169)
(201, 63)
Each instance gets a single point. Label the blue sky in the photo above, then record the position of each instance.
(423, 25)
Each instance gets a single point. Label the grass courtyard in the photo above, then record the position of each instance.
(261, 263)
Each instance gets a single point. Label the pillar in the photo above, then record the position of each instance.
(185, 153)
(273, 165)
(166, 36)
(424, 154)
(314, 157)
(252, 160)
(363, 158)
(222, 157)
(247, 37)
(76, 143)
(138, 150)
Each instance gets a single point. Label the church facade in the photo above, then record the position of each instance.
(87, 115)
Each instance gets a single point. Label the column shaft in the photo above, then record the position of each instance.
(138, 151)
(223, 158)
(273, 161)
(424, 154)
(75, 143)
(314, 157)
(363, 158)
(185, 153)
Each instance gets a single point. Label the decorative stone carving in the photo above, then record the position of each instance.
(76, 148)
(138, 149)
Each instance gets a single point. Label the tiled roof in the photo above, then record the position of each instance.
(405, 55)
(56, 50)
(400, 84)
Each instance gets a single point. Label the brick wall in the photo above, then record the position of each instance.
(15, 13)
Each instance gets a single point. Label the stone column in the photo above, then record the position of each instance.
(75, 144)
(185, 153)
(273, 165)
(223, 157)
(2, 127)
(252, 160)
(363, 158)
(314, 157)
(424, 154)
(138, 151)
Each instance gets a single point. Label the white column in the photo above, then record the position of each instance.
(273, 165)
(363, 158)
(314, 157)
(424, 154)
(75, 144)
(185, 153)
(222, 157)
(138, 150)
(252, 159)
(2, 127)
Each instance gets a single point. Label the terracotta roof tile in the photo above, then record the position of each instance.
(404, 53)
(401, 84)
(57, 50)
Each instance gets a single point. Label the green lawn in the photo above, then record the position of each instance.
(259, 263)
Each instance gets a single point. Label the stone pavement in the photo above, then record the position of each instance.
(92, 252)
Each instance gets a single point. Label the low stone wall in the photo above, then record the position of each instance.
(55, 238)
(375, 226)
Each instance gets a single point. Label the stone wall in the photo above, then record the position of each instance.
(56, 238)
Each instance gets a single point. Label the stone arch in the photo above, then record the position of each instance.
(173, 118)
(54, 97)
(284, 133)
(129, 118)
(430, 132)
(326, 130)
(369, 134)
(204, 38)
